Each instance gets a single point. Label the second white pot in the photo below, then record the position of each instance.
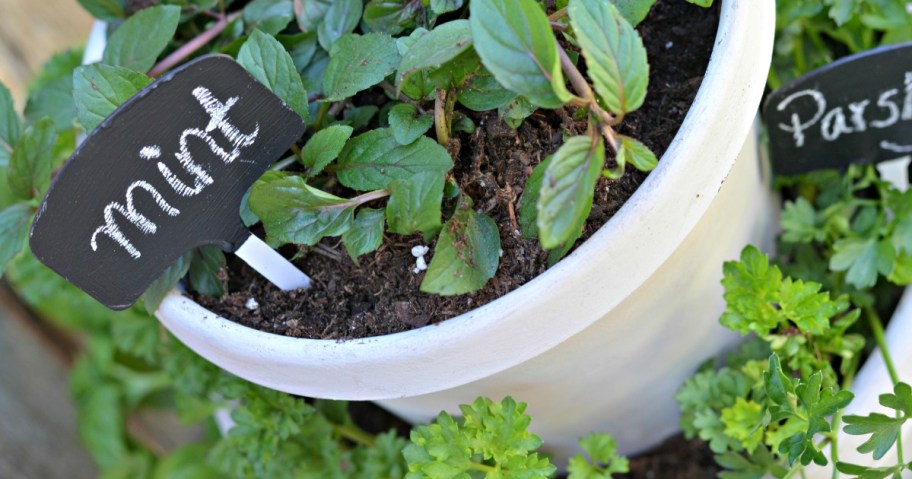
(601, 341)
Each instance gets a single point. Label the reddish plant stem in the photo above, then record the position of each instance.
(193, 45)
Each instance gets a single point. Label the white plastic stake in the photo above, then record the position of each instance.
(273, 266)
(896, 172)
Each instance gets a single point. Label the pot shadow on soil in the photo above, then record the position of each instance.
(492, 164)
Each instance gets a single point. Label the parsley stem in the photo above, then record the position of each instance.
(482, 467)
(354, 434)
(881, 339)
(193, 45)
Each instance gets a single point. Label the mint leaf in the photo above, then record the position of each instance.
(205, 264)
(358, 62)
(266, 59)
(106, 10)
(310, 13)
(323, 147)
(414, 204)
(268, 16)
(391, 16)
(293, 212)
(467, 253)
(98, 90)
(517, 110)
(407, 124)
(61, 65)
(10, 125)
(435, 48)
(30, 164)
(14, 224)
(365, 234)
(528, 203)
(439, 7)
(54, 101)
(483, 93)
(156, 293)
(341, 17)
(372, 160)
(515, 43)
(862, 259)
(142, 37)
(614, 53)
(634, 11)
(568, 188)
(635, 153)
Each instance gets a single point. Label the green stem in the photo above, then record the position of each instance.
(558, 15)
(440, 118)
(482, 467)
(354, 434)
(880, 338)
(321, 116)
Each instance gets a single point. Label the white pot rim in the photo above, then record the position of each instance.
(466, 348)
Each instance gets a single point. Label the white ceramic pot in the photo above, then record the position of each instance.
(873, 380)
(601, 341)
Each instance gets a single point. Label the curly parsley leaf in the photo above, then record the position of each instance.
(603, 459)
(883, 429)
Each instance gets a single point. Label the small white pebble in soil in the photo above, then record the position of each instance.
(420, 250)
(669, 44)
(500, 253)
(251, 304)
(420, 265)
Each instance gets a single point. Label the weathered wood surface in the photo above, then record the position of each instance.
(30, 32)
(38, 436)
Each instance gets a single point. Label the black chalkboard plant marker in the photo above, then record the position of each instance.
(163, 174)
(855, 110)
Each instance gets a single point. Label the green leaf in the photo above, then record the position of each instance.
(365, 234)
(467, 253)
(407, 124)
(358, 62)
(414, 204)
(515, 43)
(799, 222)
(98, 90)
(30, 164)
(205, 265)
(138, 335)
(266, 59)
(268, 16)
(186, 462)
(391, 16)
(341, 17)
(528, 203)
(483, 93)
(614, 53)
(634, 11)
(862, 259)
(293, 212)
(635, 153)
(884, 430)
(137, 43)
(14, 225)
(10, 125)
(744, 422)
(372, 160)
(568, 188)
(435, 48)
(106, 10)
(604, 459)
(55, 100)
(517, 110)
(61, 65)
(439, 7)
(323, 147)
(156, 293)
(310, 13)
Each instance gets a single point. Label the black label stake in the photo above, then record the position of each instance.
(855, 110)
(163, 174)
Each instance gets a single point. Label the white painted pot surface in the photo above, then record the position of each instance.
(601, 341)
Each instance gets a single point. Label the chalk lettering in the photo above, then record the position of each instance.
(907, 105)
(112, 230)
(883, 101)
(797, 127)
(834, 124)
(857, 110)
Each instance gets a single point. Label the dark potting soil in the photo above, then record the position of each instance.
(492, 164)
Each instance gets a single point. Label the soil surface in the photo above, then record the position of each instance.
(492, 164)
